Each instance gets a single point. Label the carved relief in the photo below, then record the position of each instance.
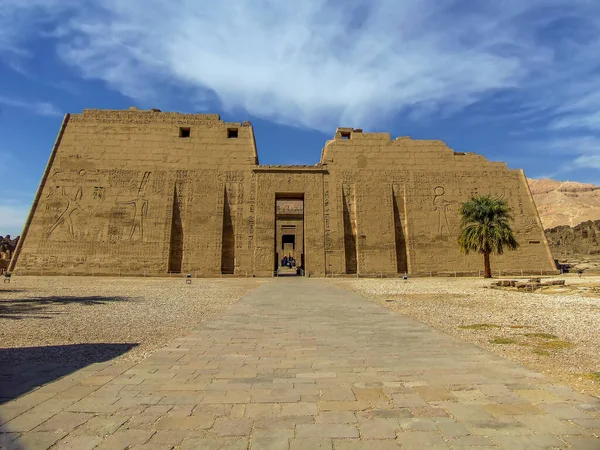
(140, 209)
(442, 206)
(66, 216)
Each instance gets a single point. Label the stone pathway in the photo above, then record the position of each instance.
(302, 364)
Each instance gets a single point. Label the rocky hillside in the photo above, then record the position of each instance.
(565, 202)
(570, 213)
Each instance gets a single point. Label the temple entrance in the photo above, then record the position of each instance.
(289, 234)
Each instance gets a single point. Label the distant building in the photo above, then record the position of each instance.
(149, 192)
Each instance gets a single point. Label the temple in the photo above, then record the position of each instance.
(132, 192)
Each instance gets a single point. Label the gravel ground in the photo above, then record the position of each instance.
(498, 320)
(38, 312)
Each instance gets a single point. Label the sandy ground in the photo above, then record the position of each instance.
(556, 333)
(146, 312)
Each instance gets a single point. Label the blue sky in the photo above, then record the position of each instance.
(517, 81)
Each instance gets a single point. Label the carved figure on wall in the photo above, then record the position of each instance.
(140, 208)
(65, 217)
(442, 206)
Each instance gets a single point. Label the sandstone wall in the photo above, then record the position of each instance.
(145, 192)
(125, 192)
(407, 195)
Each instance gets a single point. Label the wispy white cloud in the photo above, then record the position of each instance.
(36, 107)
(574, 152)
(321, 64)
(587, 161)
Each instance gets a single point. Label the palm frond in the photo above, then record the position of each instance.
(485, 224)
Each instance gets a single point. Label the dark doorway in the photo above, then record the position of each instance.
(289, 233)
(288, 239)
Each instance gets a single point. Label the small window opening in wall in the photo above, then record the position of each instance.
(184, 132)
(232, 133)
(346, 135)
(534, 242)
(584, 234)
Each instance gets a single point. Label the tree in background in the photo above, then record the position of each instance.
(485, 228)
(7, 244)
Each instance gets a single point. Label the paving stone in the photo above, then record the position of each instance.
(417, 424)
(336, 417)
(450, 428)
(122, 439)
(238, 411)
(326, 431)
(430, 393)
(583, 442)
(37, 440)
(538, 396)
(101, 425)
(65, 421)
(371, 395)
(470, 442)
(564, 411)
(499, 426)
(174, 437)
(299, 409)
(408, 400)
(232, 427)
(282, 422)
(263, 410)
(544, 424)
(143, 422)
(428, 411)
(471, 397)
(378, 428)
(380, 444)
(78, 442)
(28, 420)
(198, 422)
(513, 409)
(311, 444)
(210, 443)
(386, 413)
(184, 411)
(217, 410)
(417, 440)
(588, 423)
(273, 439)
(150, 446)
(338, 393)
(343, 406)
(528, 442)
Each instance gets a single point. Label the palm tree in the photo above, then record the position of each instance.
(485, 228)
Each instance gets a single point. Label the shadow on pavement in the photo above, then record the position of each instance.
(24, 369)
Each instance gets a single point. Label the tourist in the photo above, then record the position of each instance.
(284, 261)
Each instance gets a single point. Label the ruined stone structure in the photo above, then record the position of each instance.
(149, 192)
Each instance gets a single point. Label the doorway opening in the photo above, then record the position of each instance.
(289, 234)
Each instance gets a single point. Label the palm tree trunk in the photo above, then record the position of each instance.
(486, 264)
